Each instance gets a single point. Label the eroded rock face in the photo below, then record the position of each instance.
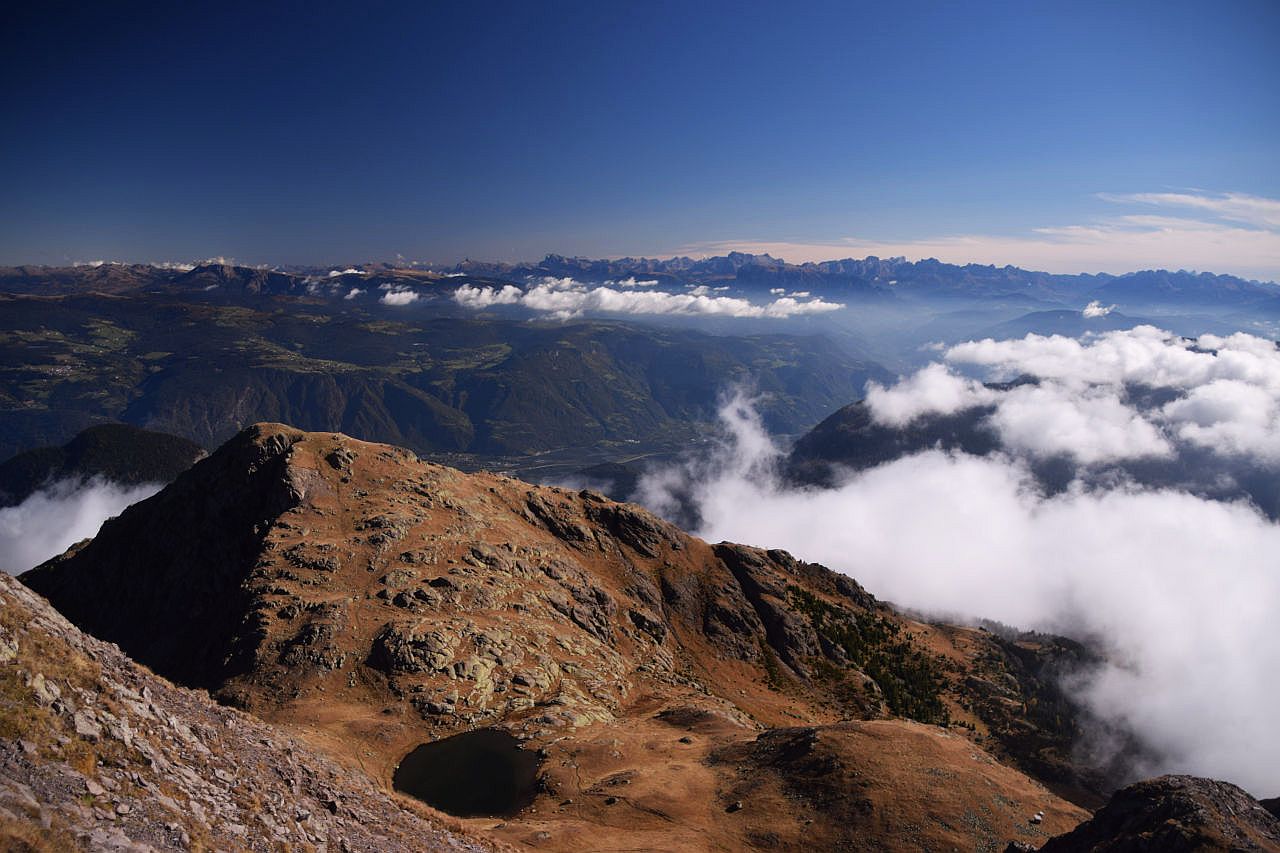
(99, 754)
(1174, 814)
(382, 602)
(789, 633)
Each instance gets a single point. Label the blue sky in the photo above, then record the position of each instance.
(1059, 135)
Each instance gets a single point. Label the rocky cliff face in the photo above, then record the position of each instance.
(96, 753)
(166, 579)
(377, 602)
(1174, 814)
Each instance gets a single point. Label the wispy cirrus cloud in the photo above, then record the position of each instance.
(1233, 207)
(1222, 232)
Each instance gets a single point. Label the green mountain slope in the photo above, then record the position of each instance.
(204, 370)
(116, 452)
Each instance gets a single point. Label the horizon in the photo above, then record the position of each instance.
(356, 267)
(1082, 138)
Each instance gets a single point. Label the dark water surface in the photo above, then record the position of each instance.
(483, 773)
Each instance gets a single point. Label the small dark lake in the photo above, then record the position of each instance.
(483, 773)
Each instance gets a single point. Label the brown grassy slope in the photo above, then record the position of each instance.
(376, 601)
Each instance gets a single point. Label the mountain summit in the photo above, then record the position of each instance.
(672, 690)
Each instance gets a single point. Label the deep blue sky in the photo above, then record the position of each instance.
(292, 133)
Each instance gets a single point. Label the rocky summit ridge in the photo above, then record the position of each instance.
(1174, 814)
(677, 694)
(97, 753)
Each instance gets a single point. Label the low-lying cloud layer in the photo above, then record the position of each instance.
(564, 298)
(1092, 399)
(1180, 590)
(54, 518)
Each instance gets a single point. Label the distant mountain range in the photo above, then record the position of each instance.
(1071, 324)
(201, 351)
(900, 278)
(865, 279)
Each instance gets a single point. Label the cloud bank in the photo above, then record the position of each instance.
(1091, 398)
(1181, 590)
(564, 298)
(54, 518)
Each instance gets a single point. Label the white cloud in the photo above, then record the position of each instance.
(347, 271)
(485, 297)
(55, 518)
(1182, 589)
(1229, 416)
(1228, 394)
(933, 390)
(634, 282)
(1234, 207)
(1144, 355)
(1092, 427)
(1235, 233)
(353, 293)
(565, 297)
(398, 296)
(1097, 309)
(788, 306)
